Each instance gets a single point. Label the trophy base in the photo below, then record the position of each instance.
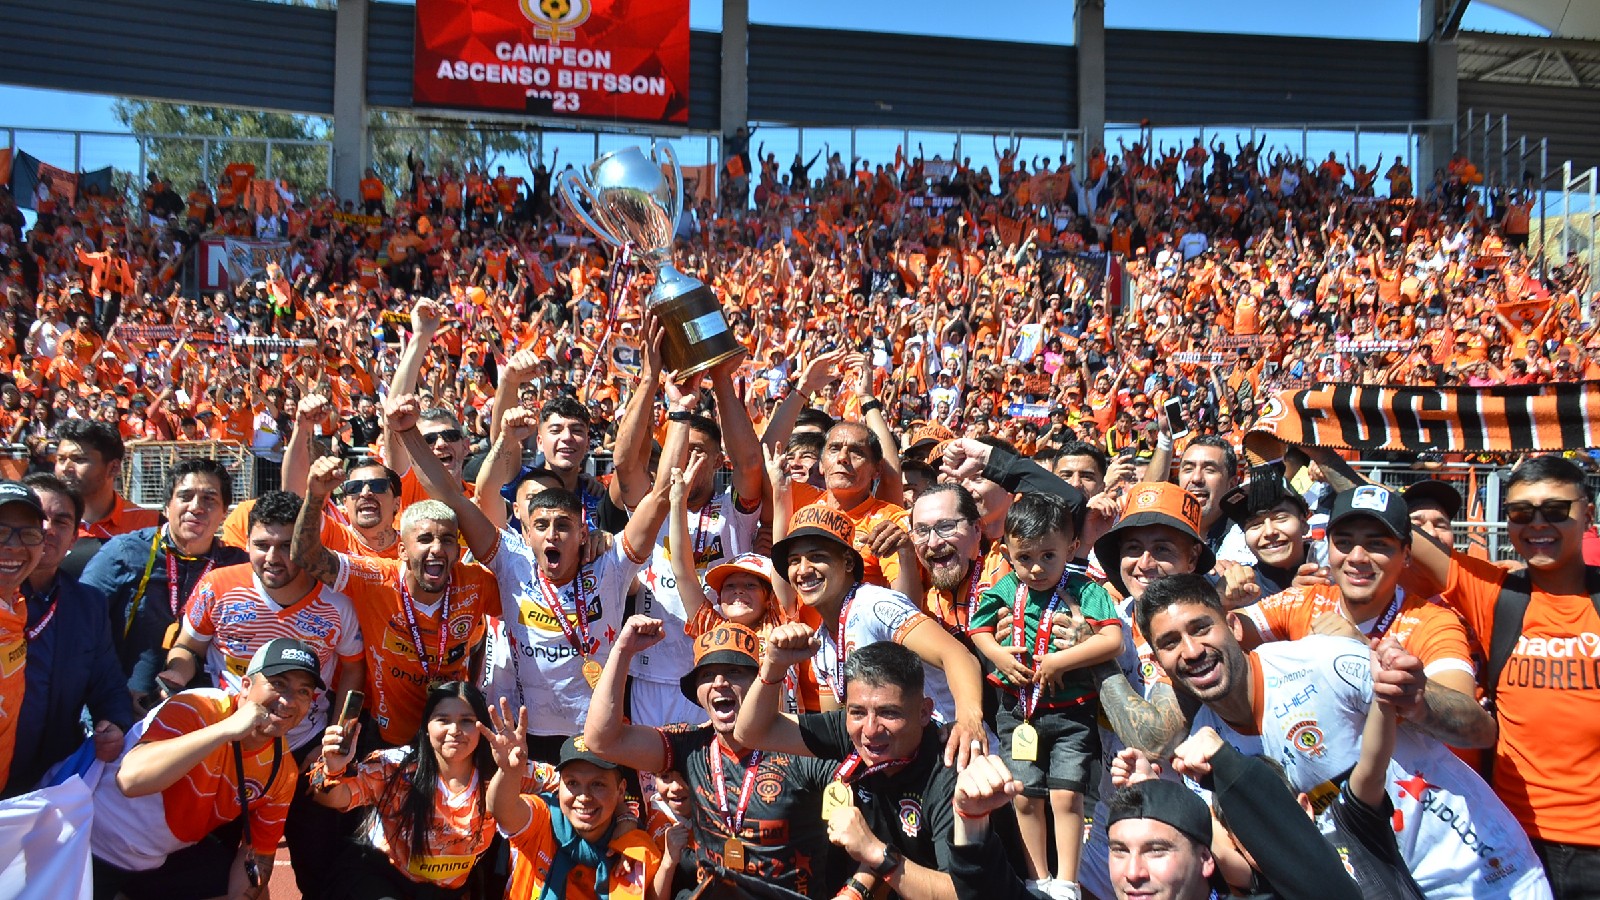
(697, 334)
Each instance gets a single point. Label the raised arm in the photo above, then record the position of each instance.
(311, 412)
(309, 554)
(523, 366)
(739, 440)
(607, 730)
(425, 318)
(679, 543)
(502, 464)
(400, 414)
(937, 647)
(632, 455)
(760, 724)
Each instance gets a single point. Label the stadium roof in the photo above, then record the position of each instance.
(1564, 18)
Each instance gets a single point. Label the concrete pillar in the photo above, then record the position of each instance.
(735, 66)
(349, 98)
(1443, 106)
(1090, 28)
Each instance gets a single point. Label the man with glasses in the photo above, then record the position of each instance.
(369, 500)
(21, 546)
(1540, 631)
(147, 575)
(950, 547)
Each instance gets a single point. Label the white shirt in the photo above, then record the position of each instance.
(878, 614)
(546, 672)
(1456, 836)
(719, 531)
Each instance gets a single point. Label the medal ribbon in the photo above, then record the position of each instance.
(746, 791)
(577, 637)
(848, 770)
(1041, 639)
(172, 579)
(408, 606)
(835, 677)
(49, 612)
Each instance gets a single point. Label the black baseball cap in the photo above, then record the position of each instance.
(1167, 802)
(1374, 501)
(574, 749)
(1435, 492)
(17, 492)
(281, 655)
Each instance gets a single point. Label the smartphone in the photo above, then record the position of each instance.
(349, 712)
(1175, 421)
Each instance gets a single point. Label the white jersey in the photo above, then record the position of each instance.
(719, 532)
(878, 614)
(537, 666)
(1456, 836)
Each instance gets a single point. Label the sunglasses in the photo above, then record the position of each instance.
(1552, 511)
(361, 485)
(449, 436)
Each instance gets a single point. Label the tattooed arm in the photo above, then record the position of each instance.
(1154, 726)
(307, 549)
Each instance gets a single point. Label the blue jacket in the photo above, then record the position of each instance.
(71, 664)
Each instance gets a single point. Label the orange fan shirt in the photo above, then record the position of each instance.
(1432, 633)
(1547, 702)
(13, 658)
(397, 679)
(866, 515)
(459, 832)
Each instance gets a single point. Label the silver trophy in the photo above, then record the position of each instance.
(626, 199)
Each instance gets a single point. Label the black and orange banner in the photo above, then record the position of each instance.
(582, 59)
(1503, 418)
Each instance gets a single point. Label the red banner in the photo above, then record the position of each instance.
(584, 59)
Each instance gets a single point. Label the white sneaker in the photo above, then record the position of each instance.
(1061, 889)
(1042, 887)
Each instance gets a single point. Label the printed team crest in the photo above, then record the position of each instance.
(910, 817)
(1370, 497)
(1307, 738)
(1146, 499)
(556, 20)
(579, 744)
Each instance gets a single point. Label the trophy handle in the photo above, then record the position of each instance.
(568, 184)
(665, 149)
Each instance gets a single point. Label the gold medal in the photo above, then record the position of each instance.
(171, 638)
(1025, 743)
(591, 672)
(835, 797)
(733, 855)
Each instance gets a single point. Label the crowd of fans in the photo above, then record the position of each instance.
(930, 592)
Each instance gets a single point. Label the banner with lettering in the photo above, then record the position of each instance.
(1502, 418)
(588, 59)
(248, 259)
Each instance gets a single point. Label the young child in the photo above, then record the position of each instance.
(743, 584)
(1048, 705)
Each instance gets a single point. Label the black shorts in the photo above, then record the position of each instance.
(1069, 741)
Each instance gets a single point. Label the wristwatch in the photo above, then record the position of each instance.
(892, 859)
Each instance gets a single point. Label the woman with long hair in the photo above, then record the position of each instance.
(428, 822)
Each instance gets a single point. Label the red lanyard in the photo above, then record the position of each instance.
(579, 638)
(848, 771)
(49, 612)
(963, 612)
(1041, 639)
(408, 606)
(172, 579)
(735, 821)
(835, 676)
(1388, 617)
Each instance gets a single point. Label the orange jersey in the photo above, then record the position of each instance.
(411, 490)
(634, 860)
(397, 678)
(866, 515)
(342, 538)
(138, 833)
(1547, 702)
(458, 833)
(123, 518)
(13, 658)
(1432, 633)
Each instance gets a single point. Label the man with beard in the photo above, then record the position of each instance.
(421, 615)
(89, 459)
(561, 614)
(1304, 703)
(368, 498)
(147, 575)
(237, 610)
(71, 660)
(203, 764)
(754, 813)
(945, 533)
(1369, 550)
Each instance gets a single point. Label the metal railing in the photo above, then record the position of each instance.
(147, 470)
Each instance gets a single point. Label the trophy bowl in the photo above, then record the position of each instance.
(627, 199)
